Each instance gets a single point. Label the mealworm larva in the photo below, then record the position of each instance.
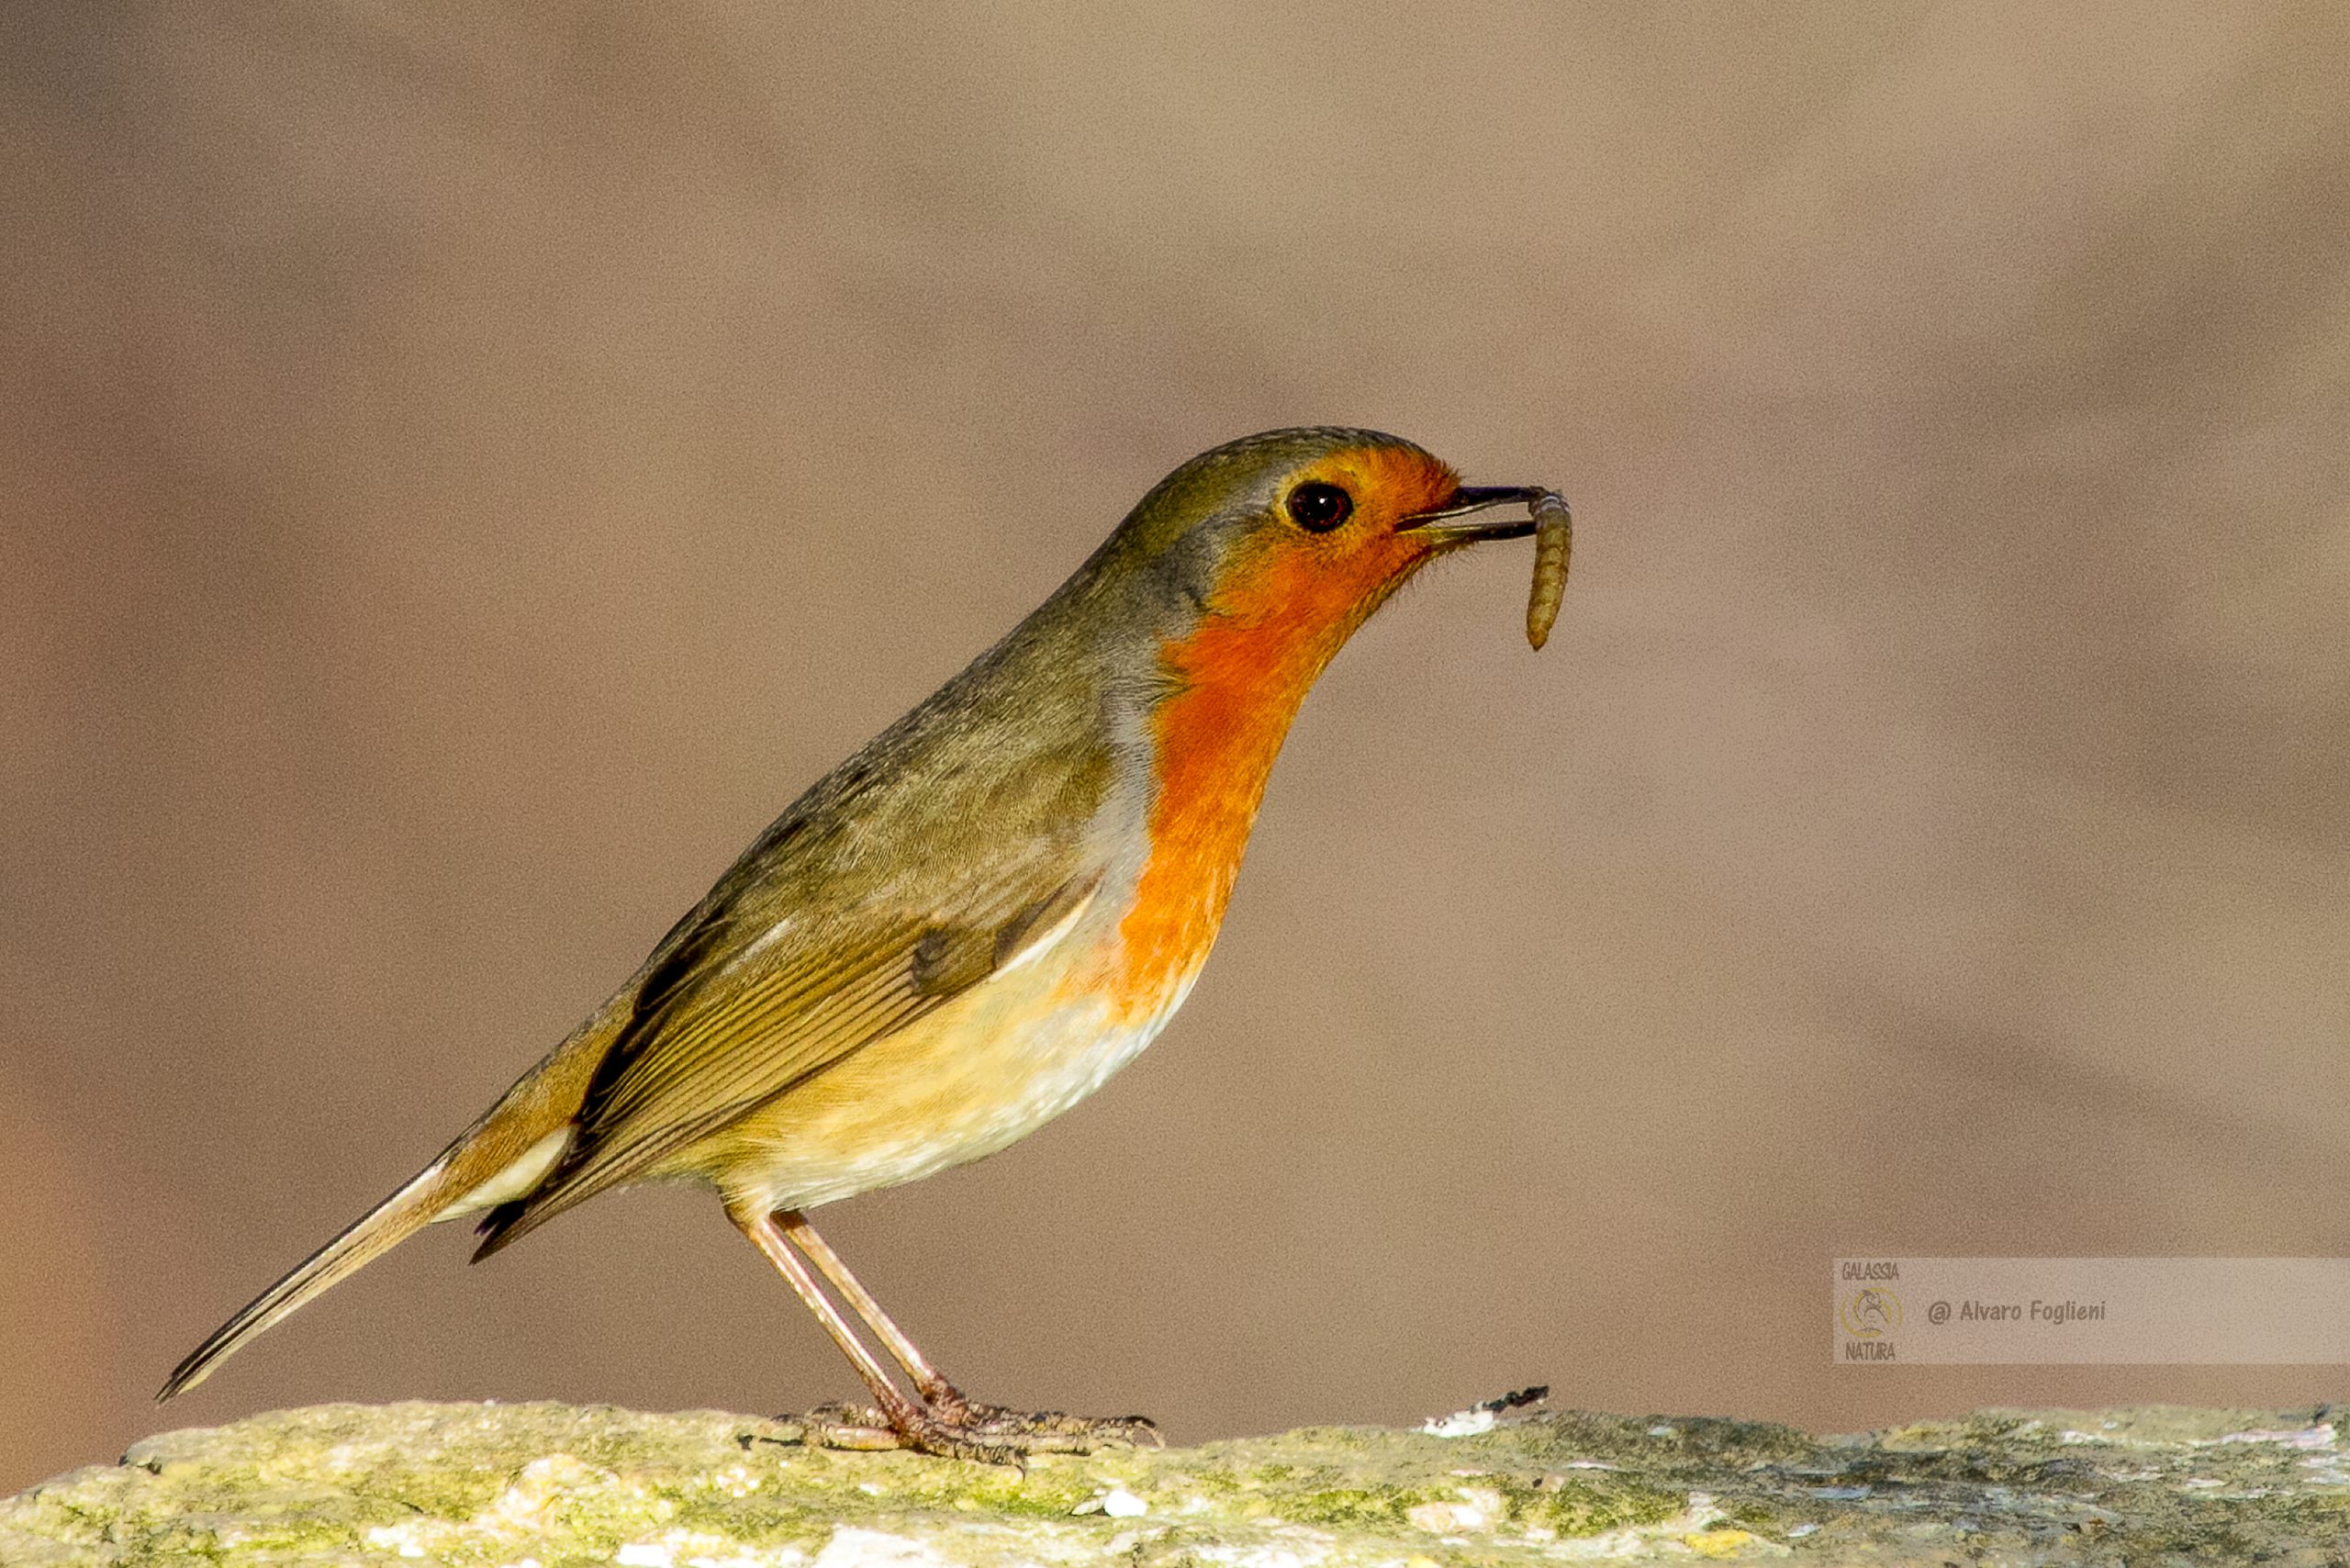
(1553, 537)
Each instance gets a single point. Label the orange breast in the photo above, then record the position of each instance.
(1217, 738)
(1282, 610)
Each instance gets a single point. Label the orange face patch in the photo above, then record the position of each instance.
(1283, 605)
(1308, 592)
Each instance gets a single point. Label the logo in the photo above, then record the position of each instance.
(1871, 1314)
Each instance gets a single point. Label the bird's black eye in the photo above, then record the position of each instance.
(1319, 507)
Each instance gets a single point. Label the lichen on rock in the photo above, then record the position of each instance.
(554, 1485)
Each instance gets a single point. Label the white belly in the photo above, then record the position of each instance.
(972, 1078)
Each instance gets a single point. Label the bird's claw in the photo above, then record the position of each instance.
(957, 1429)
(865, 1428)
(1056, 1432)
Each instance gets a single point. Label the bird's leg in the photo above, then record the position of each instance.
(903, 1423)
(946, 1422)
(946, 1401)
(941, 1396)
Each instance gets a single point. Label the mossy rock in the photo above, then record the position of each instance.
(555, 1485)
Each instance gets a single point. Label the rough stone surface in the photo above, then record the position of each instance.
(554, 1485)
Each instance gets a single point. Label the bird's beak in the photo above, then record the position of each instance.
(1463, 520)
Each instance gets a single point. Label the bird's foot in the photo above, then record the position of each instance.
(957, 1429)
(866, 1426)
(1051, 1431)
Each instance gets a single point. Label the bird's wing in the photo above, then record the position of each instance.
(754, 993)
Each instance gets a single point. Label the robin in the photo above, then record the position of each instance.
(968, 926)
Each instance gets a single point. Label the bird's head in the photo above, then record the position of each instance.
(1276, 547)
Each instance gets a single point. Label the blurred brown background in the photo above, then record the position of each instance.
(465, 468)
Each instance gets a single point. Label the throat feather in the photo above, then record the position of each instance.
(1216, 736)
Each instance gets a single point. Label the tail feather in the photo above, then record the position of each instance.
(501, 1158)
(392, 1220)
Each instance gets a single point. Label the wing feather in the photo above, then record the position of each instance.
(730, 1033)
(915, 871)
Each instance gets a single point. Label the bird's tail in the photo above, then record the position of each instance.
(390, 1222)
(499, 1157)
